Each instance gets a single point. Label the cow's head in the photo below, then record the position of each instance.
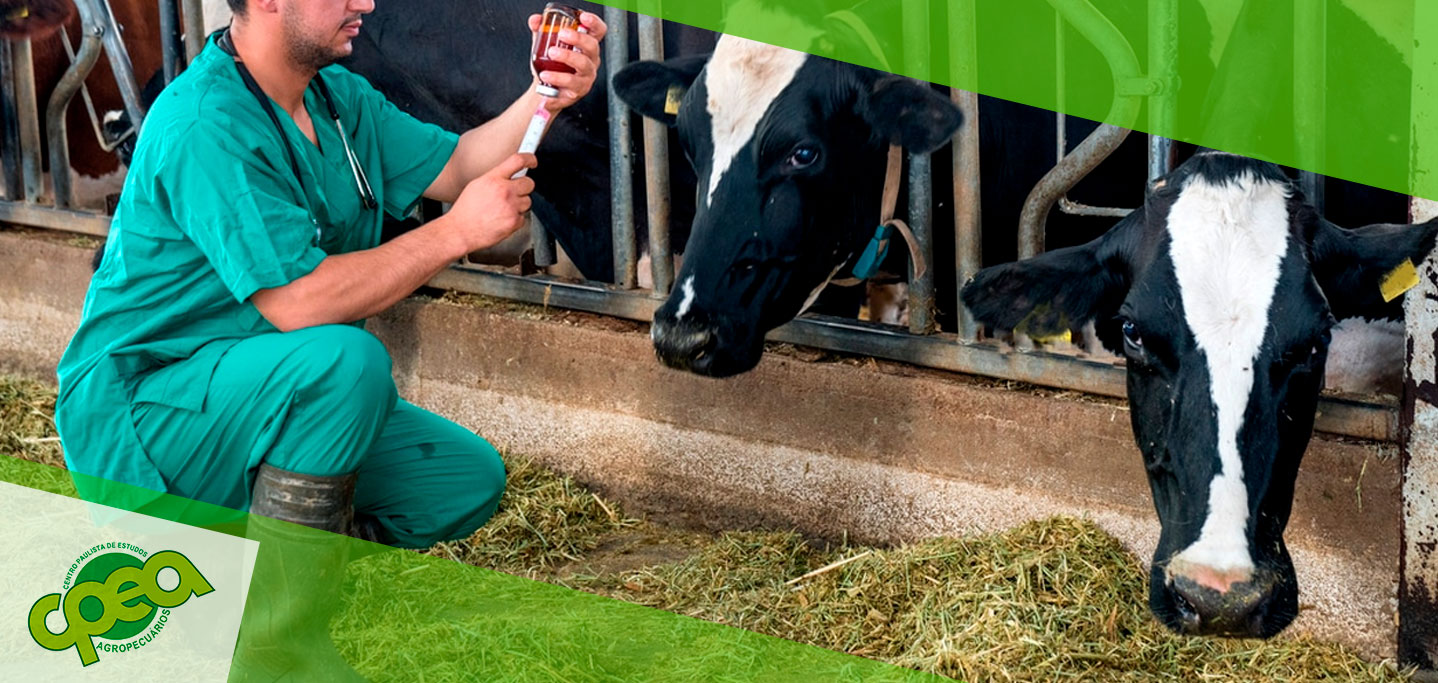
(790, 151)
(1220, 292)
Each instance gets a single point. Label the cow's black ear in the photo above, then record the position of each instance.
(910, 114)
(655, 89)
(1365, 271)
(1061, 290)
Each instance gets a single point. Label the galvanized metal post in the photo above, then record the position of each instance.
(60, 98)
(921, 180)
(621, 167)
(1162, 66)
(968, 207)
(656, 168)
(9, 126)
(172, 50)
(27, 112)
(921, 209)
(97, 12)
(194, 18)
(1310, 85)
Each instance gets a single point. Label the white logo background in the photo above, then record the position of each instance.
(41, 536)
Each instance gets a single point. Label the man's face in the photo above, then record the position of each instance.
(320, 32)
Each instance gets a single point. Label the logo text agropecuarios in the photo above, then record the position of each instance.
(126, 594)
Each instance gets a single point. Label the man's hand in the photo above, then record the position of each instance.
(585, 62)
(348, 287)
(492, 206)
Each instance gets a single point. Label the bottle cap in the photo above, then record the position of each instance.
(546, 90)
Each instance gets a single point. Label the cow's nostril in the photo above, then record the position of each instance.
(1188, 615)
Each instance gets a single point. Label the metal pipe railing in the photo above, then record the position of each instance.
(9, 126)
(621, 168)
(656, 168)
(968, 204)
(37, 216)
(194, 23)
(940, 351)
(97, 13)
(968, 208)
(1163, 67)
(921, 180)
(172, 50)
(1129, 85)
(921, 208)
(542, 243)
(1310, 86)
(55, 130)
(1070, 206)
(1059, 180)
(28, 113)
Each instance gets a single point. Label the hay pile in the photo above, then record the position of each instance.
(1053, 599)
(27, 424)
(544, 522)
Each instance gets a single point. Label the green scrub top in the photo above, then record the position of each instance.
(210, 213)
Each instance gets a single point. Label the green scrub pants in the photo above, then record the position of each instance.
(321, 401)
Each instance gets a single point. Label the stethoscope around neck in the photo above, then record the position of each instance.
(366, 194)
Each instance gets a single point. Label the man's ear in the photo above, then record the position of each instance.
(1061, 290)
(655, 89)
(1365, 271)
(910, 114)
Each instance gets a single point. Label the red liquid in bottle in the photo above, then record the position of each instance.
(556, 18)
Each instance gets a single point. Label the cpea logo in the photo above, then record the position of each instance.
(115, 592)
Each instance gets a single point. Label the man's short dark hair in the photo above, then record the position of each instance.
(237, 7)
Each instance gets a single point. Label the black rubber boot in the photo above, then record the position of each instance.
(297, 580)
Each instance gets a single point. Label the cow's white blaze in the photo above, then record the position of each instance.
(687, 291)
(1228, 241)
(743, 77)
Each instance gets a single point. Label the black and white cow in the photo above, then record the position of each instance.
(1221, 293)
(790, 152)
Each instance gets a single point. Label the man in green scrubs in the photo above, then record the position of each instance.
(221, 355)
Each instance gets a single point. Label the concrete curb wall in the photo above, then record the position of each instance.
(875, 450)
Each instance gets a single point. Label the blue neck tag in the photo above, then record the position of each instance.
(868, 263)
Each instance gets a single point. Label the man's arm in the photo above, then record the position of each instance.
(482, 147)
(348, 287)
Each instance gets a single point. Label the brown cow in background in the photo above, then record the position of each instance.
(93, 168)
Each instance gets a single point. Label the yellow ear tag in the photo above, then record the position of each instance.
(1399, 280)
(672, 99)
(1041, 311)
(1066, 337)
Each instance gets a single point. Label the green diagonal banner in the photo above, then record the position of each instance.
(392, 610)
(1345, 88)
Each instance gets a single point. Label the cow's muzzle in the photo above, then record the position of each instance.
(1253, 608)
(685, 344)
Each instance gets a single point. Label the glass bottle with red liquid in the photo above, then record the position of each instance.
(556, 17)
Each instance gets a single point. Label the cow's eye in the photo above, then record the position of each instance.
(1131, 336)
(803, 157)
